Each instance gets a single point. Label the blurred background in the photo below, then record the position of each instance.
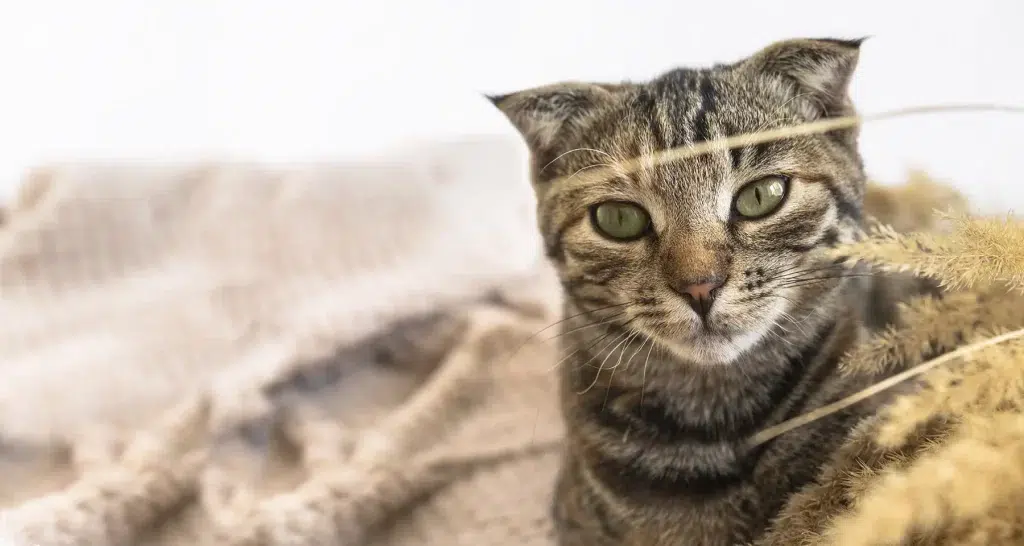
(182, 264)
(272, 80)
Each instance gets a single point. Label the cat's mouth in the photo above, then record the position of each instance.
(713, 347)
(708, 328)
(710, 333)
(707, 341)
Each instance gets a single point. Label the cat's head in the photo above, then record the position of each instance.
(704, 254)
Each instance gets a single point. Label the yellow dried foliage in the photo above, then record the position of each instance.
(975, 251)
(944, 463)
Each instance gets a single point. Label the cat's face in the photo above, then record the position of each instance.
(705, 254)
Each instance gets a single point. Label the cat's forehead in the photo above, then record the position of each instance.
(688, 106)
(681, 108)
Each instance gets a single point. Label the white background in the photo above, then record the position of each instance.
(294, 79)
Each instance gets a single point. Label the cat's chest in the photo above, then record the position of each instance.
(735, 514)
(728, 519)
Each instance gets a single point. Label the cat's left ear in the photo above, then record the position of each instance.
(820, 69)
(547, 115)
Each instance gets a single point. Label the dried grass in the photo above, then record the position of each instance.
(944, 463)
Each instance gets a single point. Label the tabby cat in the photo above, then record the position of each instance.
(699, 312)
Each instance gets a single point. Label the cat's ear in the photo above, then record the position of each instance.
(546, 115)
(820, 69)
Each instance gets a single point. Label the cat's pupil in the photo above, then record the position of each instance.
(757, 195)
(621, 217)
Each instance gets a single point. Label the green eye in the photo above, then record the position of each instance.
(621, 221)
(761, 197)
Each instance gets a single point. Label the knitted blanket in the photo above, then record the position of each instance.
(245, 354)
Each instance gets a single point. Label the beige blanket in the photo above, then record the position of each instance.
(239, 354)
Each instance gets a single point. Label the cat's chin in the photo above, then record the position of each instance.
(713, 348)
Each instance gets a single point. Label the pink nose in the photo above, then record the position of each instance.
(699, 295)
(701, 291)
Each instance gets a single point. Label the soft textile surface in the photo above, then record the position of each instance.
(240, 354)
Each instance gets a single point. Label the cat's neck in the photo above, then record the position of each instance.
(687, 420)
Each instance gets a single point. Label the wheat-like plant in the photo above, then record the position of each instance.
(944, 463)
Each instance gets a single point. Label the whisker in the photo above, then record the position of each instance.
(600, 368)
(617, 341)
(838, 273)
(605, 347)
(622, 351)
(643, 376)
(797, 323)
(568, 356)
(608, 155)
(785, 270)
(608, 387)
(588, 167)
(598, 352)
(776, 335)
(637, 351)
(556, 323)
(814, 280)
(604, 320)
(795, 272)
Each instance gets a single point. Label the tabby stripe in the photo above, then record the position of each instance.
(595, 280)
(681, 86)
(647, 108)
(593, 301)
(653, 314)
(815, 379)
(844, 206)
(706, 92)
(736, 157)
(796, 373)
(555, 247)
(632, 477)
(797, 224)
(829, 238)
(601, 275)
(651, 422)
(804, 375)
(575, 290)
(757, 153)
(603, 517)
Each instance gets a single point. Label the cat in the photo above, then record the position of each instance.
(698, 310)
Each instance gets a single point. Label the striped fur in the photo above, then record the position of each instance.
(657, 403)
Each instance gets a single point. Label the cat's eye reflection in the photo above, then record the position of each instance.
(761, 197)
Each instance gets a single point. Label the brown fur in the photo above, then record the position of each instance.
(658, 404)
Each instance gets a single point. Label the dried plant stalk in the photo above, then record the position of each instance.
(978, 470)
(977, 251)
(930, 327)
(899, 479)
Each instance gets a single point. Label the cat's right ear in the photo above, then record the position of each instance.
(820, 69)
(547, 115)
